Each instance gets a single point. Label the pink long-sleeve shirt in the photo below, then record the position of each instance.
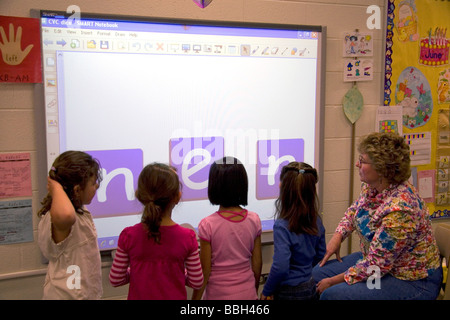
(157, 271)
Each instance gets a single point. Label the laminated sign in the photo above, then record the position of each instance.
(20, 48)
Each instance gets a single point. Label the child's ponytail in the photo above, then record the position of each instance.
(158, 187)
(151, 217)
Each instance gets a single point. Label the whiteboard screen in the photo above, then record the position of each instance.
(132, 91)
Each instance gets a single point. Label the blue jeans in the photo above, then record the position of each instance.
(303, 291)
(390, 288)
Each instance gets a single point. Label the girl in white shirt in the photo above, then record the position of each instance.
(66, 233)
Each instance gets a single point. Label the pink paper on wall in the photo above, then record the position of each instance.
(426, 183)
(15, 175)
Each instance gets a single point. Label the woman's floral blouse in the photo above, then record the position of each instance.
(395, 233)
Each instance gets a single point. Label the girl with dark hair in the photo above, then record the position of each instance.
(157, 257)
(230, 238)
(298, 235)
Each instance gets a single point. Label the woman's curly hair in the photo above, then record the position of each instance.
(390, 155)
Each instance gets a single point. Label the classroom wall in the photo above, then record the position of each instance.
(21, 269)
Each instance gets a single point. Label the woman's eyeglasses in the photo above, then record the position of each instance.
(362, 161)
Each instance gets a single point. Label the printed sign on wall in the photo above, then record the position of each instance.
(20, 47)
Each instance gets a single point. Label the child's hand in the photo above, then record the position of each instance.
(263, 297)
(52, 185)
(323, 284)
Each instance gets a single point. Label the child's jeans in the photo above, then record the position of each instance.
(303, 291)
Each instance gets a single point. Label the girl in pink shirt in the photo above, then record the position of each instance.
(157, 257)
(230, 238)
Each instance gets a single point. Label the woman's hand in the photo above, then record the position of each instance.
(323, 284)
(333, 247)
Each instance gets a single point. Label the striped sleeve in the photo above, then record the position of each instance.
(194, 273)
(120, 274)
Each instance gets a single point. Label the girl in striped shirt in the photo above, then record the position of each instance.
(157, 257)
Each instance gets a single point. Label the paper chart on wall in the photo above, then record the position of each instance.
(389, 119)
(16, 221)
(15, 175)
(425, 181)
(420, 147)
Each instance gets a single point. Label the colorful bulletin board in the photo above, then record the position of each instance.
(417, 78)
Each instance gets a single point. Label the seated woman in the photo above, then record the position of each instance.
(399, 258)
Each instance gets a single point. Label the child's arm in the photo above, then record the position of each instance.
(62, 211)
(328, 282)
(205, 259)
(194, 274)
(257, 261)
(120, 273)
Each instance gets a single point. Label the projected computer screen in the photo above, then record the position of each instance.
(131, 91)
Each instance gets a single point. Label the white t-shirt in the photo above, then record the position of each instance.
(74, 269)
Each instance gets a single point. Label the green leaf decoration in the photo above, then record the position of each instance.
(353, 104)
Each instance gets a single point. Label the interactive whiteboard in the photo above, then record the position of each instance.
(136, 90)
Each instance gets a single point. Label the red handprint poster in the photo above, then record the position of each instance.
(20, 48)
